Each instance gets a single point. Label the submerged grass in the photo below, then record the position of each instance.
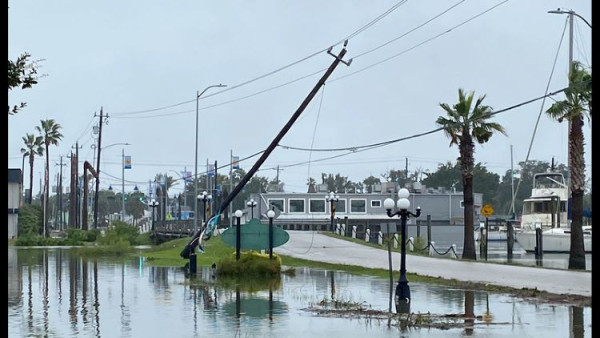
(167, 254)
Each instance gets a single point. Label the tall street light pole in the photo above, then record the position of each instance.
(196, 157)
(123, 184)
(402, 296)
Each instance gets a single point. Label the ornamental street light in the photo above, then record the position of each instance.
(270, 215)
(196, 157)
(251, 204)
(402, 296)
(238, 234)
(153, 204)
(332, 198)
(204, 197)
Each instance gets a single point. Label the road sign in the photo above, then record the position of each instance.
(255, 236)
(487, 210)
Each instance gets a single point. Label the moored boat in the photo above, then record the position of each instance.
(546, 209)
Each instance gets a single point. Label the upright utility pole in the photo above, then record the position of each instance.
(60, 199)
(230, 187)
(98, 170)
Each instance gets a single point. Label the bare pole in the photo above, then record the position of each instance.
(98, 172)
(185, 253)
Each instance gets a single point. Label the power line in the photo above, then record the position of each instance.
(320, 70)
(354, 149)
(352, 35)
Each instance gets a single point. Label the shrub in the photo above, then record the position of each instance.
(30, 220)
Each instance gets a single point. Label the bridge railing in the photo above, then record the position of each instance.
(175, 228)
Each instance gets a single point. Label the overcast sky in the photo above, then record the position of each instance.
(143, 62)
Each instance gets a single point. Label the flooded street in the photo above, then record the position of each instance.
(54, 292)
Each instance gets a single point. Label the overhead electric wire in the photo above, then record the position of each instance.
(352, 35)
(119, 115)
(537, 121)
(312, 142)
(410, 31)
(384, 143)
(417, 45)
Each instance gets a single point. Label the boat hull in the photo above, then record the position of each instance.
(552, 241)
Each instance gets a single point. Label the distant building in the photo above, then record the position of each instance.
(14, 201)
(311, 211)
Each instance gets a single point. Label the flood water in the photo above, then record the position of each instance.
(54, 292)
(444, 236)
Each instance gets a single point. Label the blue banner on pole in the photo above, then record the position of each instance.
(235, 162)
(127, 162)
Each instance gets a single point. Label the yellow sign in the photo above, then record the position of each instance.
(487, 210)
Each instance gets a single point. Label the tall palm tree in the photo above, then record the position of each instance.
(576, 105)
(50, 132)
(33, 146)
(465, 124)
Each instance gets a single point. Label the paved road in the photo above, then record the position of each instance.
(314, 246)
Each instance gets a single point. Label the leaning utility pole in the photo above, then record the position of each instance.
(189, 248)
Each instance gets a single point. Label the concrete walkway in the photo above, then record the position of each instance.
(312, 245)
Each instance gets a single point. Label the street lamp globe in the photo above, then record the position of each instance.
(270, 214)
(388, 204)
(403, 204)
(238, 213)
(403, 193)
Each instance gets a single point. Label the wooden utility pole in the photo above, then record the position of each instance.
(98, 170)
(189, 248)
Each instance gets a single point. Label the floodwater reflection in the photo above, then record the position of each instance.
(55, 292)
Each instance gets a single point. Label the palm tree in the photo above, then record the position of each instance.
(463, 126)
(576, 105)
(33, 146)
(50, 132)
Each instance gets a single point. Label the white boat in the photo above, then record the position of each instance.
(547, 209)
(554, 240)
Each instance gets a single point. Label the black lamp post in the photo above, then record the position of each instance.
(238, 234)
(204, 197)
(270, 215)
(153, 205)
(402, 296)
(251, 204)
(332, 198)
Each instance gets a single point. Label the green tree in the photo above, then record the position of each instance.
(576, 105)
(33, 147)
(369, 182)
(22, 73)
(135, 205)
(50, 132)
(465, 124)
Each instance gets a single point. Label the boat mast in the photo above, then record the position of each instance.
(512, 184)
